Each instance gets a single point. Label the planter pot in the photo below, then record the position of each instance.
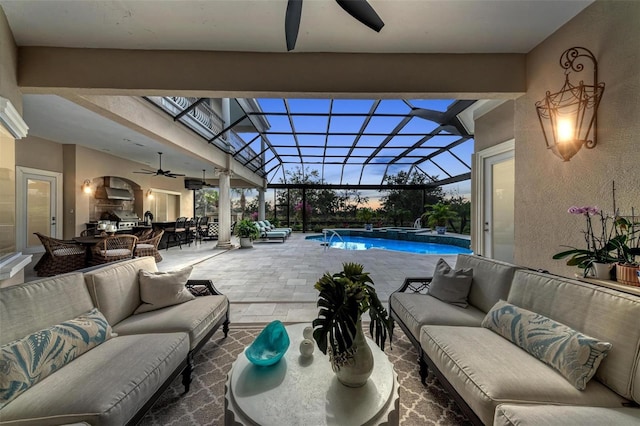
(441, 230)
(601, 271)
(355, 370)
(627, 274)
(246, 242)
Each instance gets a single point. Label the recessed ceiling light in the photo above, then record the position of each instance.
(139, 144)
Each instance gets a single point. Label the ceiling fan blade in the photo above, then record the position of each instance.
(175, 174)
(363, 12)
(146, 172)
(292, 22)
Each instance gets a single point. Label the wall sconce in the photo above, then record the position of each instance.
(149, 195)
(86, 187)
(568, 116)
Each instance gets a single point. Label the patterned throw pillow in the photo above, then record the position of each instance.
(451, 285)
(26, 361)
(574, 355)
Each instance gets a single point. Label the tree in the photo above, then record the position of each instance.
(462, 207)
(206, 200)
(401, 204)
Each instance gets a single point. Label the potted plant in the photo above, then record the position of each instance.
(365, 215)
(247, 231)
(627, 243)
(344, 297)
(598, 256)
(437, 216)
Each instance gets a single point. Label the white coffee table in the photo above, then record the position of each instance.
(305, 391)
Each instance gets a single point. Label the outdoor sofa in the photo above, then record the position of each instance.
(525, 348)
(266, 234)
(118, 348)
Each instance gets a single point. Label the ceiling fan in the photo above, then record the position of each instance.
(159, 172)
(359, 9)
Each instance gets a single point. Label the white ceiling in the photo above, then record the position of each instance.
(420, 26)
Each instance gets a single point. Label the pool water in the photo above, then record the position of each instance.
(349, 242)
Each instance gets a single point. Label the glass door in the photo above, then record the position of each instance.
(494, 183)
(39, 207)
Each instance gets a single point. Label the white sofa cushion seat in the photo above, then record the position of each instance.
(194, 317)
(416, 310)
(106, 386)
(564, 415)
(486, 370)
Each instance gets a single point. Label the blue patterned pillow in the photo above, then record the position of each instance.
(25, 362)
(571, 353)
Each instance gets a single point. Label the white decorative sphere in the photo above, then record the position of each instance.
(306, 347)
(307, 333)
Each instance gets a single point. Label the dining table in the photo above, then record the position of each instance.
(88, 242)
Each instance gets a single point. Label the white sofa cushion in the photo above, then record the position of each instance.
(416, 310)
(486, 370)
(36, 305)
(491, 279)
(114, 288)
(194, 317)
(564, 415)
(599, 312)
(106, 386)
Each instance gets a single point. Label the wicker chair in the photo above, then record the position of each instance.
(112, 249)
(60, 256)
(149, 246)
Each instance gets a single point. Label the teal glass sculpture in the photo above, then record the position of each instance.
(270, 345)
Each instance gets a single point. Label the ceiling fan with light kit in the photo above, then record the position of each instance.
(159, 172)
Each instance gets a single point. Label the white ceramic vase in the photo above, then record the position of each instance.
(601, 271)
(356, 371)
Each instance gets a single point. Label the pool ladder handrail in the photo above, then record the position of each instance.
(417, 224)
(334, 233)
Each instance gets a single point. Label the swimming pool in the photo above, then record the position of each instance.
(351, 242)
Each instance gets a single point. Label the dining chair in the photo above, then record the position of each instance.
(177, 232)
(114, 248)
(60, 257)
(149, 246)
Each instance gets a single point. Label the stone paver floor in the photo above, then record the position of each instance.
(274, 280)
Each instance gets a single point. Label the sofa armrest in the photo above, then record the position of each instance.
(202, 288)
(415, 285)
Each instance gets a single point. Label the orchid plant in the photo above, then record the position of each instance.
(601, 243)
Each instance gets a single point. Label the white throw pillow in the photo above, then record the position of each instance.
(162, 289)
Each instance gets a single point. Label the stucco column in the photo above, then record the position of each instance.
(261, 213)
(224, 211)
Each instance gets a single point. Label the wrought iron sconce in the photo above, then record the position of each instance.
(149, 194)
(86, 187)
(568, 117)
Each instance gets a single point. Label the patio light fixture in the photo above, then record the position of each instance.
(86, 187)
(568, 116)
(149, 195)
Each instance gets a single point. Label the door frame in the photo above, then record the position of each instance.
(21, 204)
(479, 186)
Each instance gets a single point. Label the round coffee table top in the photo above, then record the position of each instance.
(304, 390)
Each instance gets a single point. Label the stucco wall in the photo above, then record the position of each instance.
(494, 127)
(545, 186)
(38, 153)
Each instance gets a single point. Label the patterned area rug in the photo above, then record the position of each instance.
(204, 404)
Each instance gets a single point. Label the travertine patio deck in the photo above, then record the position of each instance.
(274, 280)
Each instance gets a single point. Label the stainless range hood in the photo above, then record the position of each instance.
(106, 192)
